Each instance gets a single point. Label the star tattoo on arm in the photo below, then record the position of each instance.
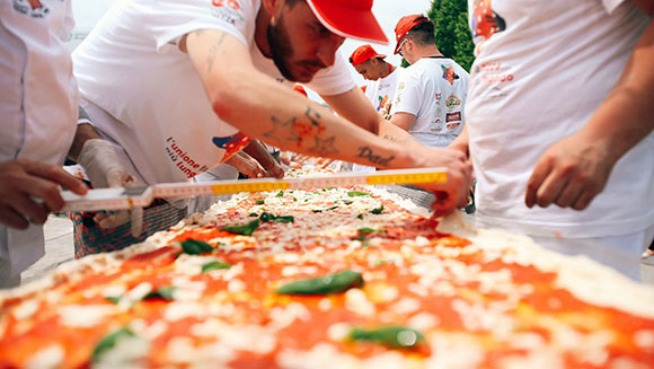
(313, 116)
(283, 130)
(324, 147)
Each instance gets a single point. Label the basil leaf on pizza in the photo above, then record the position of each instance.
(195, 247)
(244, 230)
(357, 193)
(328, 209)
(330, 284)
(164, 293)
(110, 341)
(269, 217)
(362, 233)
(113, 299)
(394, 337)
(215, 265)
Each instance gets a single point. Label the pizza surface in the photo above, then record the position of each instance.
(332, 278)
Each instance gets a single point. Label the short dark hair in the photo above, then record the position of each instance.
(423, 34)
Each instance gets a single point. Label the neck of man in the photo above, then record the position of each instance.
(386, 69)
(430, 51)
(261, 32)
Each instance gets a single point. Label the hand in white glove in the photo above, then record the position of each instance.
(101, 165)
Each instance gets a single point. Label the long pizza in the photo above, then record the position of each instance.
(333, 278)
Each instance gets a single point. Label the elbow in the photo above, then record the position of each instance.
(221, 109)
(227, 96)
(222, 105)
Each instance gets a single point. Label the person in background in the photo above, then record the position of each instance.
(382, 77)
(380, 89)
(432, 91)
(559, 124)
(214, 75)
(38, 106)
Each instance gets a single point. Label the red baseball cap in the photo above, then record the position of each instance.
(364, 53)
(349, 18)
(405, 24)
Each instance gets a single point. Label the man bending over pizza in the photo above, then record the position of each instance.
(179, 87)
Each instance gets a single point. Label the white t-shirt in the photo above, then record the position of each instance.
(38, 103)
(542, 69)
(382, 91)
(131, 67)
(434, 90)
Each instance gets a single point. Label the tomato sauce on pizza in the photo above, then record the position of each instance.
(332, 278)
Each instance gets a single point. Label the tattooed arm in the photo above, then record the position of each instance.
(355, 107)
(259, 106)
(262, 108)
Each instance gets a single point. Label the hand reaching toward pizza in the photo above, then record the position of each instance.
(453, 193)
(275, 170)
(23, 181)
(570, 174)
(247, 165)
(104, 170)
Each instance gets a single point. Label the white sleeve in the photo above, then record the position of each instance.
(408, 96)
(170, 20)
(334, 80)
(611, 5)
(68, 22)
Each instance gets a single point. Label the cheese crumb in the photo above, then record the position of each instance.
(48, 358)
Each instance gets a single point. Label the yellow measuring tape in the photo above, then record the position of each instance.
(409, 178)
(245, 186)
(127, 198)
(388, 177)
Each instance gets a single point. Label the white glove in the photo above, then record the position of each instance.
(103, 169)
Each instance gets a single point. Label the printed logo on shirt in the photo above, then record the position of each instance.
(33, 8)
(398, 93)
(183, 160)
(452, 102)
(453, 126)
(485, 22)
(227, 10)
(231, 144)
(438, 97)
(383, 101)
(494, 73)
(436, 125)
(453, 117)
(449, 75)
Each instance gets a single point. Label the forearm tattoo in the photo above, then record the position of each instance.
(282, 130)
(324, 147)
(367, 153)
(299, 130)
(390, 138)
